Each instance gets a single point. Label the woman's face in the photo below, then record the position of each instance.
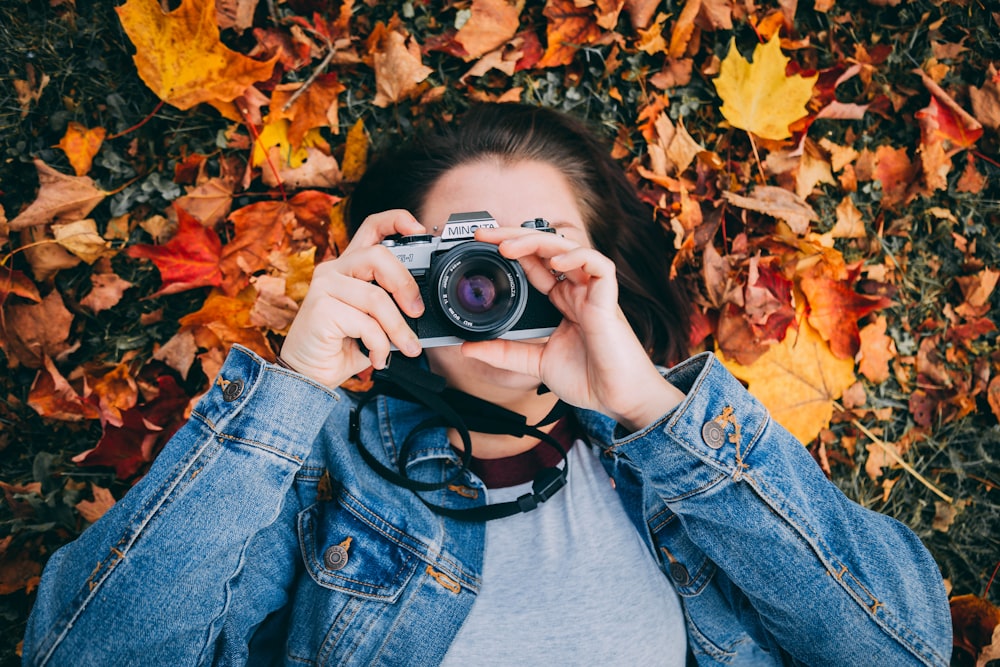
(512, 194)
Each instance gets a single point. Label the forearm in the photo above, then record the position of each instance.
(157, 568)
(809, 560)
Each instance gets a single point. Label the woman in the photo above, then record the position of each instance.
(276, 527)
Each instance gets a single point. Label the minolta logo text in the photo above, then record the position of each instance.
(462, 230)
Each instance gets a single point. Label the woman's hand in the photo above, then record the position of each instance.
(342, 306)
(593, 359)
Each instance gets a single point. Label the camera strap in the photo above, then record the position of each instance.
(404, 380)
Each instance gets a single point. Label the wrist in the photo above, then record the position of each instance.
(658, 399)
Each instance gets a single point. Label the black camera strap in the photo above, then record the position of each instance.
(404, 380)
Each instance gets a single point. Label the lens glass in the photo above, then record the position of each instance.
(480, 293)
(475, 292)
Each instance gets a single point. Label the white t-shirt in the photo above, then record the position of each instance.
(570, 583)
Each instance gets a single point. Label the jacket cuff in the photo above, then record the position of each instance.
(710, 434)
(266, 404)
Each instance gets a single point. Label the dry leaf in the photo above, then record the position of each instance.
(777, 203)
(757, 96)
(179, 55)
(492, 24)
(81, 239)
(569, 27)
(798, 380)
(399, 68)
(81, 145)
(38, 330)
(92, 510)
(60, 197)
(876, 351)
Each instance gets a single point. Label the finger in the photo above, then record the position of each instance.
(378, 226)
(375, 303)
(588, 265)
(517, 356)
(379, 264)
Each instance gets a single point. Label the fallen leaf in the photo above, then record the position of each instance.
(976, 623)
(92, 510)
(399, 69)
(236, 14)
(38, 330)
(19, 570)
(569, 27)
(993, 396)
(492, 24)
(209, 201)
(60, 197)
(178, 352)
(834, 311)
(895, 172)
(273, 309)
(106, 290)
(81, 239)
(116, 391)
(986, 100)
(80, 144)
(778, 203)
(44, 255)
(875, 351)
(178, 54)
(757, 96)
(798, 380)
(315, 107)
(355, 153)
(189, 260)
(258, 230)
(53, 397)
(16, 283)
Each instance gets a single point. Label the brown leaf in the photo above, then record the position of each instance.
(492, 24)
(178, 352)
(399, 69)
(993, 396)
(36, 331)
(92, 510)
(236, 14)
(19, 570)
(876, 351)
(273, 309)
(316, 106)
(569, 27)
(107, 288)
(259, 229)
(778, 203)
(117, 392)
(209, 201)
(14, 282)
(53, 397)
(986, 100)
(45, 256)
(60, 197)
(81, 239)
(976, 622)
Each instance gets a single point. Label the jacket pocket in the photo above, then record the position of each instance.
(354, 553)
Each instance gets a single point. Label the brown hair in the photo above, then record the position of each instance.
(620, 225)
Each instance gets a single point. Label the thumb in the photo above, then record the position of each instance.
(511, 355)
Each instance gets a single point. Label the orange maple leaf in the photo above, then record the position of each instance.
(315, 107)
(834, 310)
(190, 259)
(492, 24)
(179, 55)
(80, 145)
(569, 28)
(52, 396)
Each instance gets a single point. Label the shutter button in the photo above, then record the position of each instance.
(232, 390)
(713, 434)
(335, 558)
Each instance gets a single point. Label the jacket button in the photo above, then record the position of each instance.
(679, 574)
(232, 390)
(713, 434)
(335, 558)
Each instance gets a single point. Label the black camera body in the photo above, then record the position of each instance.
(470, 291)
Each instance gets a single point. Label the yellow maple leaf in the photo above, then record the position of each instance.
(179, 55)
(797, 380)
(757, 96)
(275, 134)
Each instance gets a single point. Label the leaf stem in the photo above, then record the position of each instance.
(139, 124)
(756, 156)
(898, 459)
(331, 50)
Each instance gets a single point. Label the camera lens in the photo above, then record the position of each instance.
(479, 292)
(475, 293)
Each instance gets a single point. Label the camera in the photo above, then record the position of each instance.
(470, 291)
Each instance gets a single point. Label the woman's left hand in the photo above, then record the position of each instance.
(593, 359)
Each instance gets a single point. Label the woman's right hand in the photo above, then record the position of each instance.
(343, 306)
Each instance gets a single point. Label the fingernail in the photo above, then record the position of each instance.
(417, 307)
(411, 348)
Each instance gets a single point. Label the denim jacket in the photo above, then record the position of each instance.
(260, 536)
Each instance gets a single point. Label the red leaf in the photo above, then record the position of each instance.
(190, 259)
(834, 311)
